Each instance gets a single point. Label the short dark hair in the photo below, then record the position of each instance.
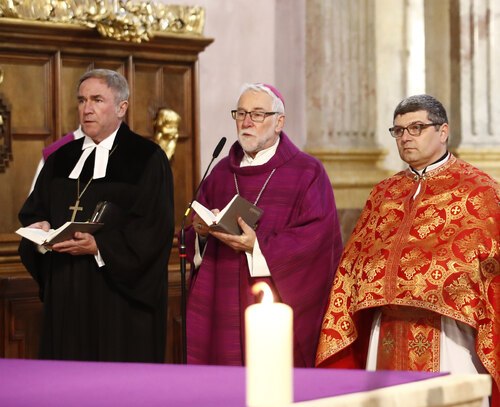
(434, 108)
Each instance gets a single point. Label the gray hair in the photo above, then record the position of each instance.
(434, 108)
(259, 87)
(113, 79)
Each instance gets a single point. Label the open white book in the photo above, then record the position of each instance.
(227, 219)
(53, 236)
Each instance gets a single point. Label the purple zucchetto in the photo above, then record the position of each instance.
(275, 91)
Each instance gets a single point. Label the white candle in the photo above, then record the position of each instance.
(269, 351)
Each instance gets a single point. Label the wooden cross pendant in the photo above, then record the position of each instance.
(75, 208)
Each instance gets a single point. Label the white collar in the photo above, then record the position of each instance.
(432, 166)
(78, 133)
(101, 156)
(262, 157)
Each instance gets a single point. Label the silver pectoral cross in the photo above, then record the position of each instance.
(75, 208)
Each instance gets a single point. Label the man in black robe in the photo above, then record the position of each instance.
(104, 295)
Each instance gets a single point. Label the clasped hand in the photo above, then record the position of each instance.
(244, 242)
(81, 244)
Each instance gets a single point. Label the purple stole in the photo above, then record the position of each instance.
(56, 145)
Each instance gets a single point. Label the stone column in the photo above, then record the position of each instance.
(347, 65)
(364, 56)
(475, 78)
(341, 95)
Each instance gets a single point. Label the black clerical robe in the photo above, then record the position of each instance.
(116, 312)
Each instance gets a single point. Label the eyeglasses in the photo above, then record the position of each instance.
(257, 117)
(414, 129)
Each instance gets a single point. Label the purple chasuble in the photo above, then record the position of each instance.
(299, 236)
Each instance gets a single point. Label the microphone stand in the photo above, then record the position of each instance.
(183, 255)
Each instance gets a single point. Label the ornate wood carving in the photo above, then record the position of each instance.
(119, 19)
(5, 136)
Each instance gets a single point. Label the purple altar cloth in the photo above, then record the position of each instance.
(57, 383)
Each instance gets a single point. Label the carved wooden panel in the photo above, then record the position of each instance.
(26, 84)
(20, 316)
(5, 135)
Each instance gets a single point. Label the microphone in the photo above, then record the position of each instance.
(182, 250)
(215, 154)
(219, 147)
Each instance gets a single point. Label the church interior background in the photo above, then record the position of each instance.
(341, 65)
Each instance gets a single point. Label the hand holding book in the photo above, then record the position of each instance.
(104, 213)
(227, 219)
(51, 237)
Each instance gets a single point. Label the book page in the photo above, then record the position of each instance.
(65, 232)
(35, 235)
(227, 219)
(207, 215)
(204, 213)
(238, 207)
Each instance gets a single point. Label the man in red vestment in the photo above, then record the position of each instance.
(295, 247)
(418, 284)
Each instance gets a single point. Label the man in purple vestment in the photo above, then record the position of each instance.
(295, 247)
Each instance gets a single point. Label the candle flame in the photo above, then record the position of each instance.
(267, 297)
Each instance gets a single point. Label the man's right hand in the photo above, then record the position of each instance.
(41, 225)
(200, 226)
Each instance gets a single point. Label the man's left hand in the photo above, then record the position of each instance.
(82, 243)
(243, 242)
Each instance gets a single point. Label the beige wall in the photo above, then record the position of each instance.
(254, 41)
(443, 47)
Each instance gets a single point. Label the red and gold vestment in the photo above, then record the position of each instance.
(436, 251)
